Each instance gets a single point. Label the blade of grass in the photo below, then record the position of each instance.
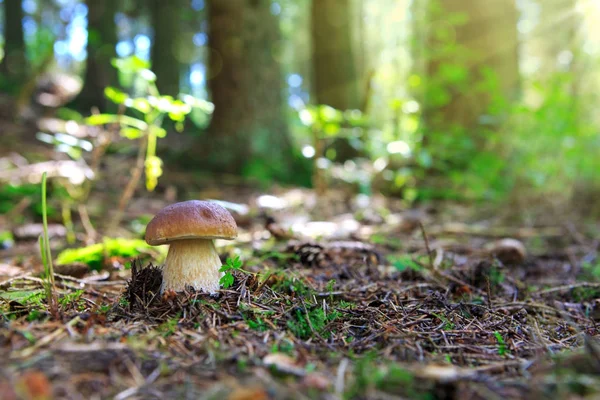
(47, 256)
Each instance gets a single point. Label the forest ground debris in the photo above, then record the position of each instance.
(395, 331)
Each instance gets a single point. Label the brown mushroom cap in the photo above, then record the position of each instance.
(193, 219)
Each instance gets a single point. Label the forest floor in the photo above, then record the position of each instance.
(344, 297)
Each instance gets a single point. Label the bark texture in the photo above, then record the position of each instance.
(166, 22)
(101, 49)
(14, 64)
(245, 84)
(336, 77)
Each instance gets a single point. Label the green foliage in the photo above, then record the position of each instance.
(303, 324)
(285, 282)
(11, 195)
(392, 378)
(6, 239)
(149, 109)
(36, 314)
(44, 243)
(496, 275)
(285, 346)
(258, 325)
(590, 271)
(73, 300)
(96, 254)
(231, 264)
(566, 141)
(502, 350)
(329, 123)
(169, 327)
(448, 325)
(330, 286)
(404, 262)
(254, 317)
(581, 294)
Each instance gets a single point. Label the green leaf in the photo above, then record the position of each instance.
(226, 280)
(140, 104)
(158, 131)
(130, 64)
(115, 95)
(164, 104)
(329, 114)
(177, 117)
(102, 119)
(131, 133)
(178, 106)
(95, 254)
(202, 105)
(235, 262)
(403, 263)
(331, 129)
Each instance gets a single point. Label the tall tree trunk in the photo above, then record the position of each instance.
(245, 83)
(166, 21)
(336, 79)
(14, 64)
(101, 49)
(460, 57)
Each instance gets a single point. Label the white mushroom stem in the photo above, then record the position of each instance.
(192, 262)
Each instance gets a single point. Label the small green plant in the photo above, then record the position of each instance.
(448, 325)
(496, 275)
(346, 305)
(168, 327)
(330, 286)
(285, 282)
(104, 308)
(258, 324)
(591, 270)
(44, 243)
(285, 346)
(392, 378)
(502, 350)
(304, 324)
(232, 264)
(35, 315)
(404, 262)
(148, 111)
(71, 299)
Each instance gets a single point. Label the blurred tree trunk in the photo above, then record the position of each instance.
(336, 78)
(101, 49)
(471, 65)
(245, 83)
(166, 22)
(14, 64)
(339, 78)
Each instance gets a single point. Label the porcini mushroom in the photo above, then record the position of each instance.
(189, 228)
